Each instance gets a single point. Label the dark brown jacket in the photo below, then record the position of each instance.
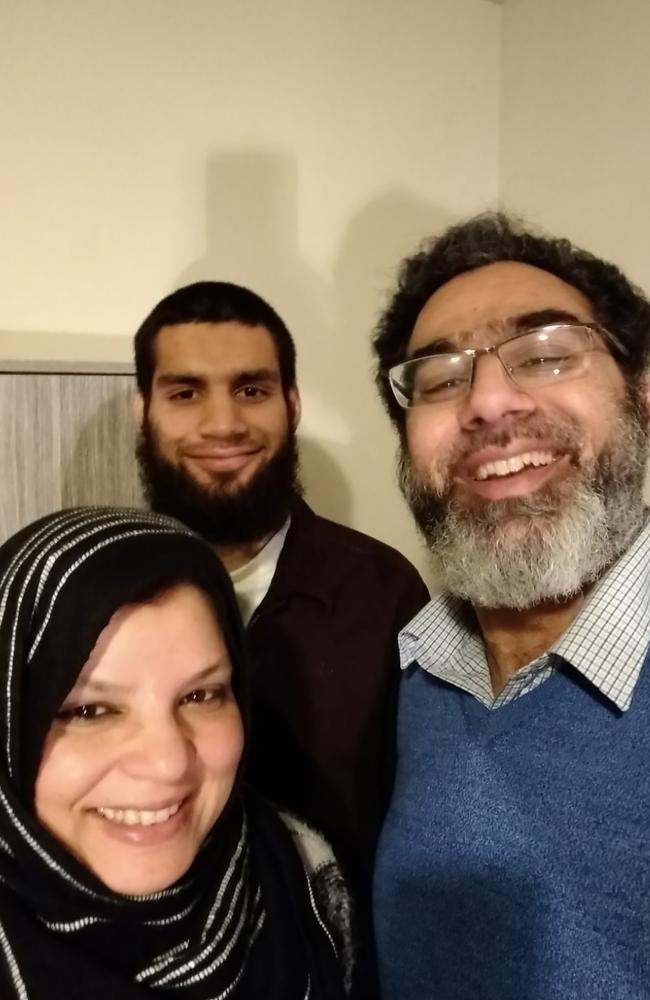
(325, 673)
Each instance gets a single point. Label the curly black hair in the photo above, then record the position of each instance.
(486, 239)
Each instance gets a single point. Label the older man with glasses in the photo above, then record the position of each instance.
(514, 863)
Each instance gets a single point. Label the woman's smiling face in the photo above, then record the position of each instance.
(142, 756)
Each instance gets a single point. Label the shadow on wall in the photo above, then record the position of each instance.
(324, 481)
(252, 238)
(387, 229)
(99, 465)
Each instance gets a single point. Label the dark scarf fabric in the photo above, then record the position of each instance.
(242, 922)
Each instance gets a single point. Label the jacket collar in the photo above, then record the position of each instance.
(303, 567)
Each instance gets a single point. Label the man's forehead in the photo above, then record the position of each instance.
(214, 348)
(486, 303)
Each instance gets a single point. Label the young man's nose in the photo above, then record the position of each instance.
(493, 396)
(221, 416)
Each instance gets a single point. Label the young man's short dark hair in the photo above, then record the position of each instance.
(212, 302)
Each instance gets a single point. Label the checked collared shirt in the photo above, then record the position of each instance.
(606, 642)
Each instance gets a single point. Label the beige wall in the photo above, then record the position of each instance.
(298, 147)
(575, 104)
(302, 148)
(575, 146)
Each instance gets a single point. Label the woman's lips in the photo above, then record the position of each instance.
(142, 834)
(130, 816)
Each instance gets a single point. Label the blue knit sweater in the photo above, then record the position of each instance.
(515, 859)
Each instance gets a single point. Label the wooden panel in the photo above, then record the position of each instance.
(67, 439)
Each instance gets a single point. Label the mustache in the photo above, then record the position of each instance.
(221, 514)
(564, 431)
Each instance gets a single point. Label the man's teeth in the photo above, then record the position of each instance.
(139, 817)
(507, 466)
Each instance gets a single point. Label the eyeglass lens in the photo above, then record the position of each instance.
(537, 357)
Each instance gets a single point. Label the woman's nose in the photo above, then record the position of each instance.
(161, 750)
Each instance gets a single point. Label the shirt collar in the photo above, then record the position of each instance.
(607, 641)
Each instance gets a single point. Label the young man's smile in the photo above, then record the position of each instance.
(217, 408)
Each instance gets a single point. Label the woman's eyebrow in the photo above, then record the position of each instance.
(92, 685)
(95, 685)
(216, 669)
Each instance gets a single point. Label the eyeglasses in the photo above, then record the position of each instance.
(539, 357)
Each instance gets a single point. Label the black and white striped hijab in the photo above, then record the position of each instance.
(241, 922)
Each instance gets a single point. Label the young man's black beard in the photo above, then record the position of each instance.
(257, 509)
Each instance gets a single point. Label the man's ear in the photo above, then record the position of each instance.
(138, 410)
(295, 407)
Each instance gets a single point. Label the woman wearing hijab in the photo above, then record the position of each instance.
(132, 860)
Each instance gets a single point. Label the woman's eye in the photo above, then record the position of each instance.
(204, 696)
(83, 713)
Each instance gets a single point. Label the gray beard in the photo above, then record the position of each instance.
(525, 551)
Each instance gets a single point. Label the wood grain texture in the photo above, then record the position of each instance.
(68, 439)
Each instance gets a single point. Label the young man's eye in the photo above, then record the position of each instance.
(83, 713)
(252, 392)
(183, 395)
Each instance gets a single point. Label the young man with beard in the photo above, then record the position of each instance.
(218, 408)
(515, 857)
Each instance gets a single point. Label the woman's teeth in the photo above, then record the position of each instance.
(508, 466)
(139, 817)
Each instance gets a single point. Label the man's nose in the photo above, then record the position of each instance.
(160, 750)
(221, 416)
(493, 395)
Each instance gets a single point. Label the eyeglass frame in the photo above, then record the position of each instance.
(475, 352)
